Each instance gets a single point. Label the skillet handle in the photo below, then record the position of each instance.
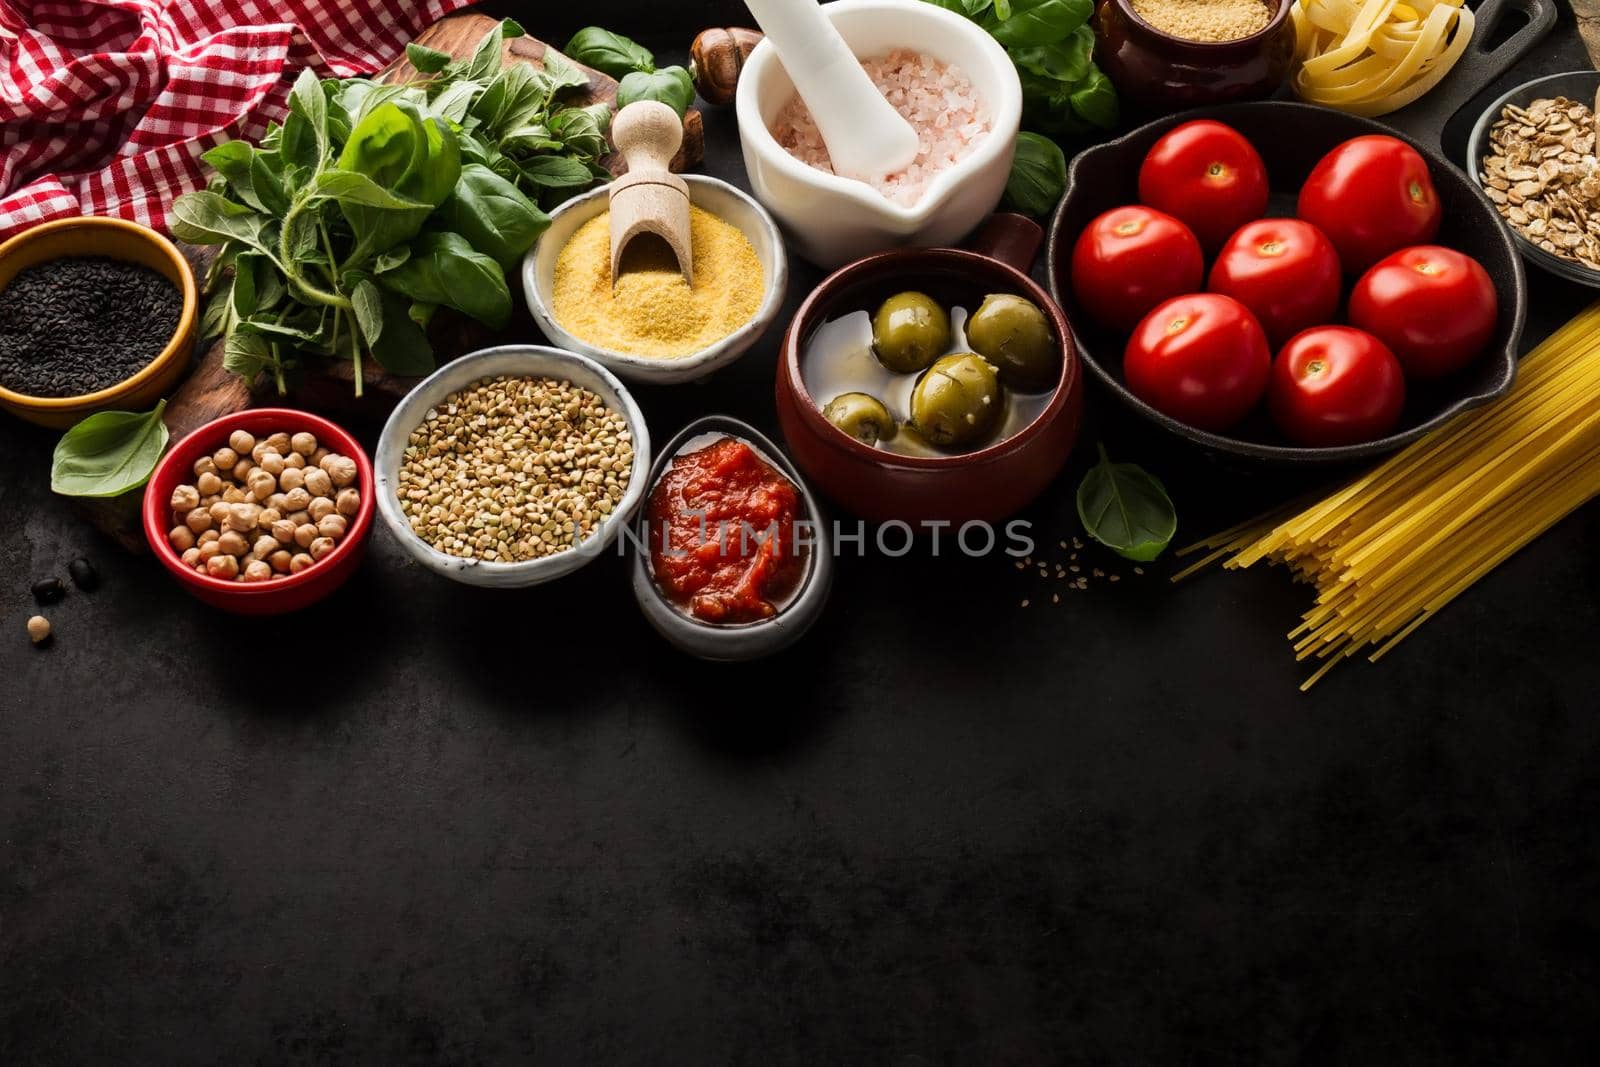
(1011, 238)
(1477, 68)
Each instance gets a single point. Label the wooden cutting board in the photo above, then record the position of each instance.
(211, 392)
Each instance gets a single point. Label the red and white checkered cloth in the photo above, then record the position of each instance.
(106, 105)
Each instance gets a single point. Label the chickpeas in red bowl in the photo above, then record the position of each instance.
(261, 512)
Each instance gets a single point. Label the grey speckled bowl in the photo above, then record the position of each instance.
(534, 361)
(736, 641)
(1580, 85)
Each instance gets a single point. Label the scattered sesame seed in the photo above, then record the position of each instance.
(1024, 603)
(1074, 568)
(1055, 598)
(1138, 570)
(1116, 577)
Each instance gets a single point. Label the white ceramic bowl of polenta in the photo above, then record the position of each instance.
(716, 197)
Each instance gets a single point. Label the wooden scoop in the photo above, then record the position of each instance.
(649, 198)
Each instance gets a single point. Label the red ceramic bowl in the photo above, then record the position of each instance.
(281, 594)
(985, 485)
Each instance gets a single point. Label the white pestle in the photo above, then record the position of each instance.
(866, 137)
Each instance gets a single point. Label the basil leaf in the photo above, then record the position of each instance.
(391, 259)
(247, 355)
(402, 348)
(1036, 22)
(305, 129)
(493, 215)
(244, 285)
(610, 53)
(563, 75)
(557, 172)
(1096, 101)
(970, 8)
(217, 319)
(670, 85)
(582, 130)
(453, 103)
(1066, 60)
(109, 453)
(414, 158)
(368, 304)
(444, 269)
(486, 57)
(349, 187)
(233, 160)
(421, 313)
(426, 60)
(1126, 509)
(208, 218)
(1038, 175)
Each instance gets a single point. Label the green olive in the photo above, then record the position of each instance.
(1013, 334)
(958, 401)
(862, 416)
(910, 331)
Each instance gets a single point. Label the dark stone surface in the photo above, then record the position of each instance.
(425, 823)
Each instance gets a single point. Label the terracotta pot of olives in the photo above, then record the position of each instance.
(970, 465)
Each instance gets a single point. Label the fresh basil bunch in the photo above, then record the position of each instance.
(344, 229)
(1052, 46)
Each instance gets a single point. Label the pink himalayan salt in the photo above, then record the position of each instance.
(936, 98)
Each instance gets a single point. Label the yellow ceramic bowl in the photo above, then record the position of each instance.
(113, 239)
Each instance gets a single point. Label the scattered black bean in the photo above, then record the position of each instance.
(84, 576)
(48, 590)
(77, 325)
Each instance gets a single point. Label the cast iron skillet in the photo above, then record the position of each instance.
(1292, 137)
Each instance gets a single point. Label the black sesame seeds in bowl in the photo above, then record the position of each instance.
(96, 314)
(69, 327)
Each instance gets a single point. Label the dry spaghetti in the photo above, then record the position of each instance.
(1393, 547)
(1371, 57)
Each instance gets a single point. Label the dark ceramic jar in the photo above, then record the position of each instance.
(988, 484)
(1153, 70)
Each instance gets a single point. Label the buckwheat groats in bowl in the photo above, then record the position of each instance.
(512, 469)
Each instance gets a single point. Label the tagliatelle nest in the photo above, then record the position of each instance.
(1371, 57)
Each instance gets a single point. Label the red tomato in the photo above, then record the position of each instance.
(1371, 195)
(1129, 260)
(1434, 307)
(1335, 385)
(1206, 175)
(1285, 271)
(1201, 359)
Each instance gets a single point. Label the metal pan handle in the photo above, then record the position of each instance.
(1478, 67)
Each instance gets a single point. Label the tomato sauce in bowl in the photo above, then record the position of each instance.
(720, 526)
